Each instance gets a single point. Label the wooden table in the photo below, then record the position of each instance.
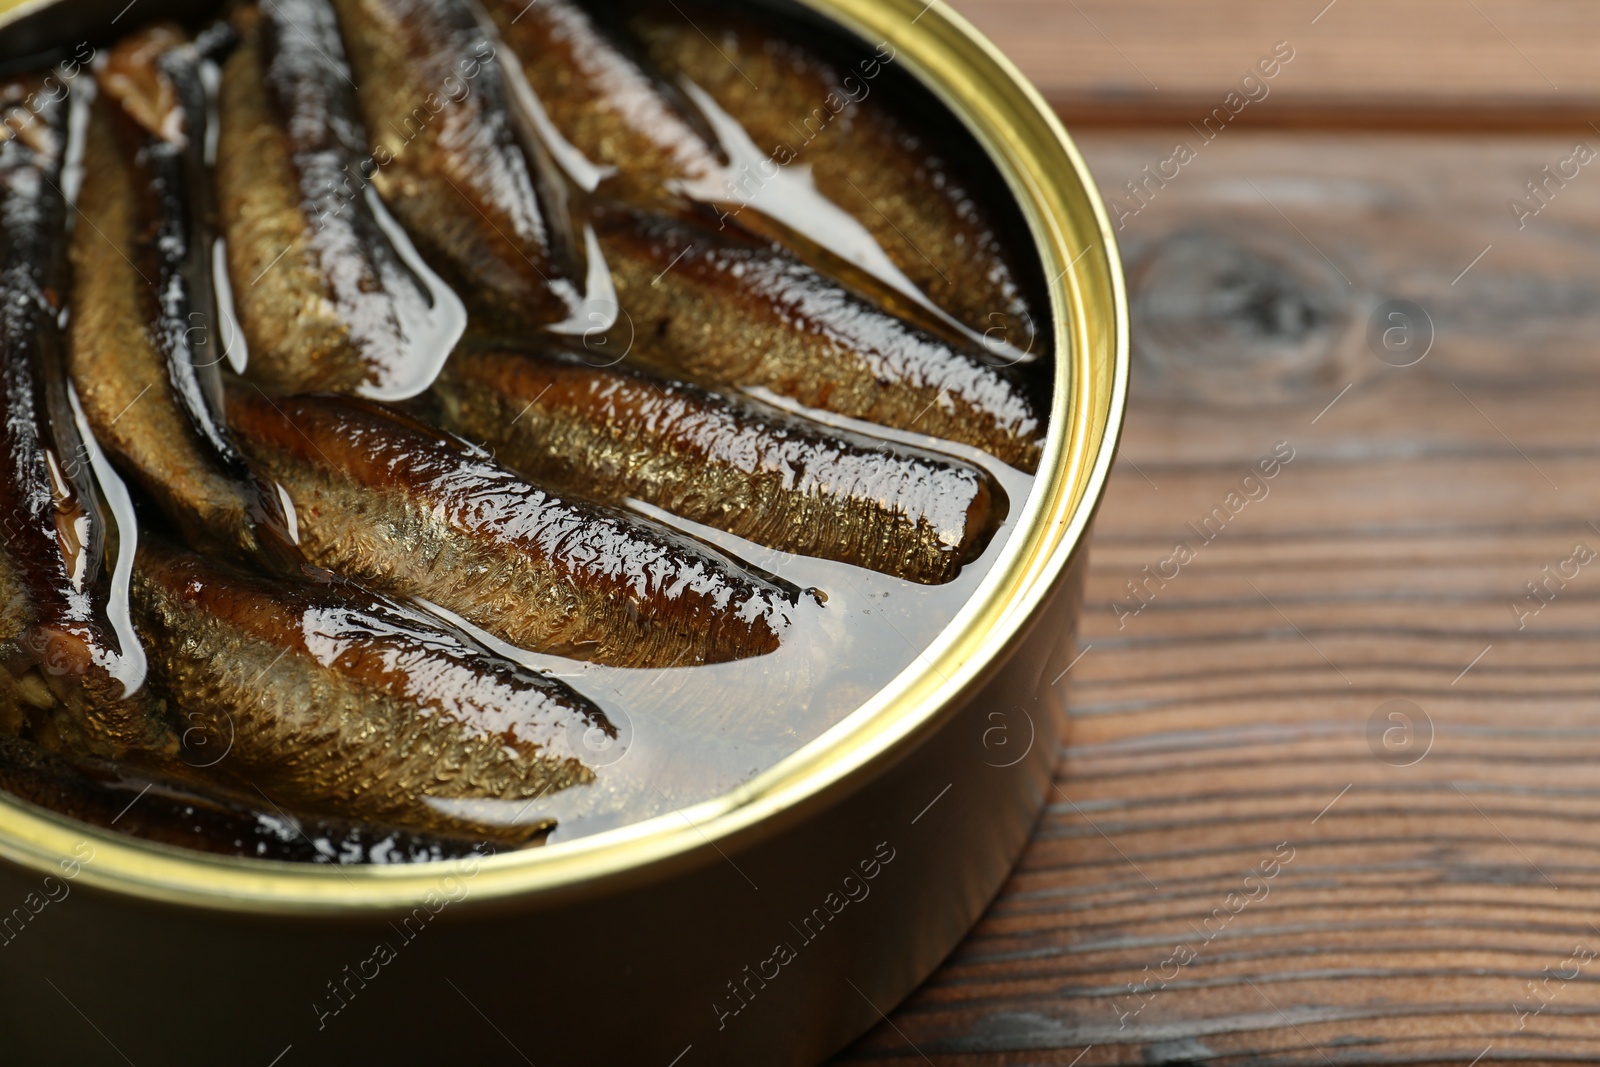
(1331, 795)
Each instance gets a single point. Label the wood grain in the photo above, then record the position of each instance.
(1507, 63)
(1442, 881)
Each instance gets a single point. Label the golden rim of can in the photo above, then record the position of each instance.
(1078, 251)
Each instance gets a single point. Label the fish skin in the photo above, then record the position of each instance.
(334, 700)
(919, 205)
(742, 314)
(175, 813)
(56, 648)
(654, 147)
(411, 511)
(770, 478)
(144, 349)
(318, 287)
(607, 105)
(50, 511)
(455, 160)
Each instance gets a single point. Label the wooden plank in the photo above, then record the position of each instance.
(1428, 890)
(1423, 63)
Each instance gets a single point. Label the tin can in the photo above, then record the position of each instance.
(771, 925)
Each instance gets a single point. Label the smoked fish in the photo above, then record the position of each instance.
(652, 146)
(173, 813)
(456, 158)
(145, 341)
(412, 511)
(611, 109)
(802, 109)
(779, 481)
(325, 299)
(60, 662)
(333, 700)
(737, 313)
(54, 527)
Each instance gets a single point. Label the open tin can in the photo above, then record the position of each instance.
(723, 933)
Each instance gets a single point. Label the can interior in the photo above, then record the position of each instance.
(1049, 201)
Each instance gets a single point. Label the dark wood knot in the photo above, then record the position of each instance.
(1230, 316)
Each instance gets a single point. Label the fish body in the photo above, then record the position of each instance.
(745, 314)
(324, 298)
(619, 98)
(456, 159)
(176, 814)
(52, 518)
(608, 106)
(654, 148)
(145, 346)
(412, 511)
(769, 478)
(330, 699)
(803, 110)
(58, 655)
